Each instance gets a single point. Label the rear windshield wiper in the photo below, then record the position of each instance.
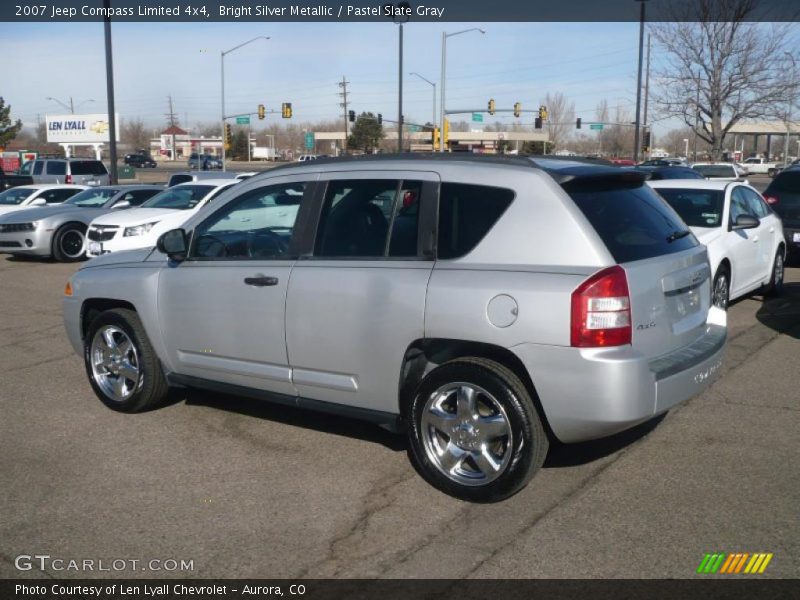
(676, 235)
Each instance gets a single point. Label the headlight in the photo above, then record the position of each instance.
(16, 227)
(138, 229)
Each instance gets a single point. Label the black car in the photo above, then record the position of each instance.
(9, 180)
(140, 161)
(783, 196)
(657, 173)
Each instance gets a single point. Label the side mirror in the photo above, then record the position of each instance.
(38, 202)
(121, 204)
(174, 244)
(745, 222)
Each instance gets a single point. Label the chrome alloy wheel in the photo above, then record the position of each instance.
(466, 434)
(115, 363)
(720, 295)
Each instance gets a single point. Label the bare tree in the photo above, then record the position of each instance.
(560, 119)
(616, 137)
(135, 135)
(720, 67)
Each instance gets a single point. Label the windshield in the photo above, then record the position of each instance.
(715, 170)
(15, 196)
(697, 208)
(181, 198)
(93, 198)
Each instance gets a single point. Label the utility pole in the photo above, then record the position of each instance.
(112, 121)
(647, 92)
(172, 117)
(400, 92)
(639, 83)
(343, 84)
(697, 117)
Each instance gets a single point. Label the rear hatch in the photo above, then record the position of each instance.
(666, 267)
(783, 195)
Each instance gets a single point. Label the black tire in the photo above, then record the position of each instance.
(525, 449)
(150, 389)
(722, 278)
(775, 285)
(69, 243)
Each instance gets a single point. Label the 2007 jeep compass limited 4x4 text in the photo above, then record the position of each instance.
(486, 305)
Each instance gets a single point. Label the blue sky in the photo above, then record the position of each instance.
(303, 62)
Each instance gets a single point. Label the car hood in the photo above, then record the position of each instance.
(706, 235)
(140, 216)
(117, 258)
(4, 210)
(41, 212)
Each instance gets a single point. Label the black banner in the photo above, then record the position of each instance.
(381, 11)
(418, 589)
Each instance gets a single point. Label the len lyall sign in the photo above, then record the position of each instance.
(79, 129)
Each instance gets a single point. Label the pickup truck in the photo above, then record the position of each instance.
(762, 166)
(7, 180)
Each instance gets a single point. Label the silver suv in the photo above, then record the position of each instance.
(80, 171)
(485, 305)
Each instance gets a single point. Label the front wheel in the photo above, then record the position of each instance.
(775, 285)
(720, 296)
(474, 431)
(68, 242)
(122, 366)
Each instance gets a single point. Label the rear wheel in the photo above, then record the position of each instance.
(123, 369)
(68, 242)
(474, 431)
(775, 285)
(720, 296)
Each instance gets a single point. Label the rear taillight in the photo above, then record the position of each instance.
(601, 310)
(68, 179)
(772, 199)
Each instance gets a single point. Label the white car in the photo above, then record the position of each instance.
(719, 171)
(743, 235)
(43, 194)
(140, 227)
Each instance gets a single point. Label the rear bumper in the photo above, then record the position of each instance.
(591, 393)
(791, 245)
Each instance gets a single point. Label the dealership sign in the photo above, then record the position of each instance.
(79, 129)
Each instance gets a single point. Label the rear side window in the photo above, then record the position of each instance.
(466, 214)
(136, 197)
(88, 167)
(56, 167)
(37, 167)
(634, 223)
(176, 179)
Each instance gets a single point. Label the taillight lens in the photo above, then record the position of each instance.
(772, 199)
(68, 179)
(601, 310)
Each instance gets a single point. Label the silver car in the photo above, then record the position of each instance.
(485, 305)
(59, 230)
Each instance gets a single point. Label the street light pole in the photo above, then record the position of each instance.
(222, 88)
(400, 92)
(112, 121)
(433, 85)
(789, 109)
(443, 74)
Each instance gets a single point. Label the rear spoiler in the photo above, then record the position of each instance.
(597, 178)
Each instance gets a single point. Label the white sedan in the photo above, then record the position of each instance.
(743, 235)
(28, 196)
(140, 227)
(719, 171)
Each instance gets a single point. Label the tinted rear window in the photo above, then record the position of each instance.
(634, 223)
(788, 181)
(676, 173)
(715, 170)
(88, 167)
(466, 214)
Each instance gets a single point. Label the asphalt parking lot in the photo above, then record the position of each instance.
(245, 489)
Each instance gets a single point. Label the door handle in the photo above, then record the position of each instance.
(261, 281)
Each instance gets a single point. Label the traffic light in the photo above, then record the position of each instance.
(578, 123)
(435, 138)
(446, 132)
(262, 111)
(228, 136)
(380, 119)
(646, 143)
(537, 123)
(491, 106)
(517, 109)
(351, 116)
(286, 110)
(543, 112)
